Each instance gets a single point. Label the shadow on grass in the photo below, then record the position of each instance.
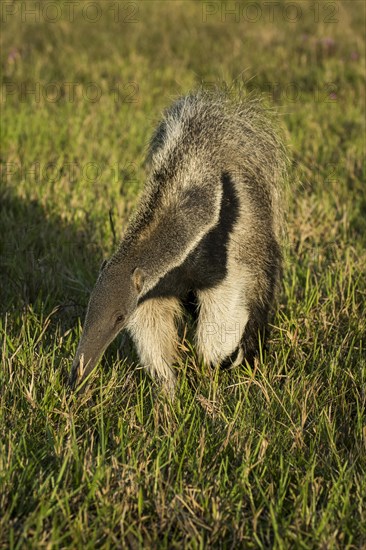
(45, 262)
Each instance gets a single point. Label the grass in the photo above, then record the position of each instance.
(273, 457)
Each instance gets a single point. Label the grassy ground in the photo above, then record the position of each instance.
(269, 458)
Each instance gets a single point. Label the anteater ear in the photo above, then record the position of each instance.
(138, 279)
(102, 266)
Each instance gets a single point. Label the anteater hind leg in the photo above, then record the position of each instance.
(153, 328)
(255, 333)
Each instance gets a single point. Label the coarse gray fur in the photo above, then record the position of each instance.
(208, 226)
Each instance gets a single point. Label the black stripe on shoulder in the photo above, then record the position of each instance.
(206, 266)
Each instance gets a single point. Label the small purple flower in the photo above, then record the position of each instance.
(328, 42)
(13, 55)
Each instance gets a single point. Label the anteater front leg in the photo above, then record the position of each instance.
(153, 328)
(222, 319)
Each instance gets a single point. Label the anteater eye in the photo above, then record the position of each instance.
(119, 319)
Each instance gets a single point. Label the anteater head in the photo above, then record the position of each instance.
(112, 302)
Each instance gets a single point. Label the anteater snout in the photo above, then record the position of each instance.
(78, 371)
